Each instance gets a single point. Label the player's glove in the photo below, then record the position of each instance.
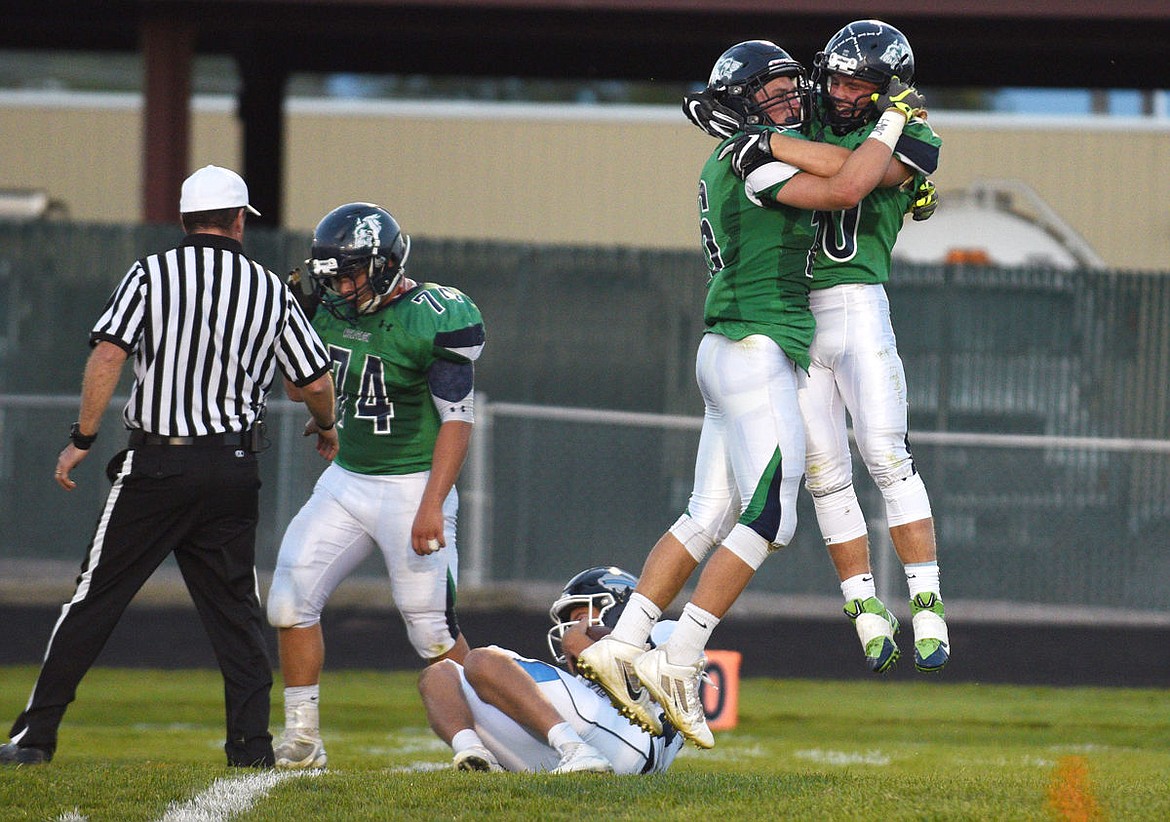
(750, 151)
(900, 97)
(925, 201)
(306, 300)
(716, 119)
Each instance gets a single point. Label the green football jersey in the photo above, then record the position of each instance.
(386, 420)
(759, 256)
(856, 243)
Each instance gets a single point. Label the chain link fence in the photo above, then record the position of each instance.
(1039, 415)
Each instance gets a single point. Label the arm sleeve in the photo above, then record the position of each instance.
(762, 184)
(918, 147)
(453, 390)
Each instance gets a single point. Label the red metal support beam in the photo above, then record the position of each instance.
(168, 48)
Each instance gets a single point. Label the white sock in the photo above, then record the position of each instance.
(859, 586)
(922, 578)
(467, 738)
(562, 735)
(637, 620)
(301, 704)
(690, 636)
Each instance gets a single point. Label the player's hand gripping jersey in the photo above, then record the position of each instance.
(856, 243)
(759, 253)
(381, 363)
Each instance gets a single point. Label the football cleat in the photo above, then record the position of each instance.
(932, 647)
(300, 748)
(476, 758)
(676, 689)
(583, 758)
(610, 663)
(13, 754)
(876, 627)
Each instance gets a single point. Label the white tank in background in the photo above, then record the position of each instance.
(997, 223)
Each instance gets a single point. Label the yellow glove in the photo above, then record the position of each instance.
(900, 97)
(925, 201)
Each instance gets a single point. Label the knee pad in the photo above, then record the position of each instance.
(749, 546)
(906, 501)
(430, 633)
(286, 607)
(693, 537)
(839, 515)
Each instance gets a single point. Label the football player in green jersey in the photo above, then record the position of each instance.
(855, 364)
(758, 234)
(403, 355)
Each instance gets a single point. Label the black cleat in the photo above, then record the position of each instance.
(13, 754)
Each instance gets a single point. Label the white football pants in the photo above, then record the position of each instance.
(856, 368)
(347, 516)
(630, 749)
(751, 448)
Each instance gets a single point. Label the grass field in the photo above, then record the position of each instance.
(146, 745)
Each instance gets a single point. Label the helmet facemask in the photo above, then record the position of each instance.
(743, 97)
(756, 110)
(605, 590)
(601, 613)
(842, 117)
(867, 50)
(371, 278)
(743, 71)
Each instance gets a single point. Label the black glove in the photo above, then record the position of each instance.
(716, 119)
(925, 201)
(750, 151)
(306, 300)
(900, 97)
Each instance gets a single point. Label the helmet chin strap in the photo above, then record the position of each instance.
(376, 301)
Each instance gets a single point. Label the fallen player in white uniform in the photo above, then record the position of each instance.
(500, 711)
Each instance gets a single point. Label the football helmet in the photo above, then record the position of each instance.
(869, 50)
(745, 68)
(351, 240)
(606, 590)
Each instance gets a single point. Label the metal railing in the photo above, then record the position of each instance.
(517, 531)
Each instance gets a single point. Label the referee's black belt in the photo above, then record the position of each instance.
(138, 438)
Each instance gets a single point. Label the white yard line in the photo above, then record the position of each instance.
(228, 797)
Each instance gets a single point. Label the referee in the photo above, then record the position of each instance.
(208, 329)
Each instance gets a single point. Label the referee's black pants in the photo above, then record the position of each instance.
(200, 502)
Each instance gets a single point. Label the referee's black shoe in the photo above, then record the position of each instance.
(13, 754)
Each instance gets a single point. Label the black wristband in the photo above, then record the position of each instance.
(328, 427)
(80, 441)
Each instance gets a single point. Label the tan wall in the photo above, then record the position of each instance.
(564, 174)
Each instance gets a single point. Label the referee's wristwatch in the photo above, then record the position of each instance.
(80, 441)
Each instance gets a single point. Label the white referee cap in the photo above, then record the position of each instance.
(213, 187)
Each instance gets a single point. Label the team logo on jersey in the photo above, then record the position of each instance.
(895, 55)
(368, 232)
(724, 69)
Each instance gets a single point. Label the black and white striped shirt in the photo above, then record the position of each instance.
(208, 329)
